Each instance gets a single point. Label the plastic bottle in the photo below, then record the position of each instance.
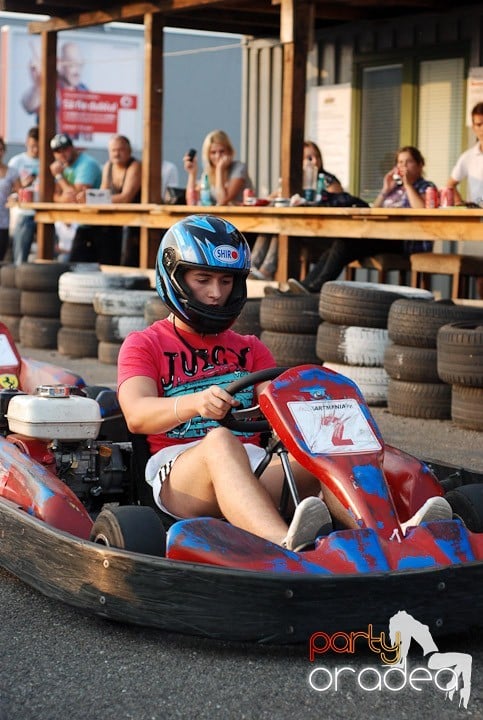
(309, 181)
(205, 192)
(321, 186)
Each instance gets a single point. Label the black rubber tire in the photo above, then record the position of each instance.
(351, 345)
(78, 315)
(431, 401)
(8, 275)
(43, 276)
(363, 304)
(460, 354)
(77, 343)
(411, 364)
(290, 313)
(291, 349)
(40, 303)
(467, 407)
(38, 332)
(135, 528)
(248, 321)
(10, 300)
(416, 322)
(13, 324)
(108, 352)
(113, 328)
(467, 504)
(155, 310)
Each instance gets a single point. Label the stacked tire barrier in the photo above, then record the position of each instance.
(117, 314)
(39, 303)
(10, 314)
(353, 336)
(460, 364)
(289, 328)
(77, 335)
(155, 310)
(415, 388)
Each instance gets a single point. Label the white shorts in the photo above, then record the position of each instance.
(159, 466)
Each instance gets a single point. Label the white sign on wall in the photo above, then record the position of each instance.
(329, 125)
(106, 68)
(474, 92)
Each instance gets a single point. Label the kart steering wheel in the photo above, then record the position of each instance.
(241, 419)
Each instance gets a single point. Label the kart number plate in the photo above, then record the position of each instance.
(334, 427)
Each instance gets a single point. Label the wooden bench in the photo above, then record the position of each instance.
(383, 264)
(460, 267)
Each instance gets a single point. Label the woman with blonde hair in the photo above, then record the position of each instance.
(227, 177)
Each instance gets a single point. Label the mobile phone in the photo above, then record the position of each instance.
(191, 154)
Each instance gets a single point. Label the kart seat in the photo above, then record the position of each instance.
(141, 492)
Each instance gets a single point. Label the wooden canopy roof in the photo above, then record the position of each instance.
(259, 18)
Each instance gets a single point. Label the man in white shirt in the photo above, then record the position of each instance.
(27, 166)
(470, 166)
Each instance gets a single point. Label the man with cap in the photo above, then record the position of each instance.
(74, 171)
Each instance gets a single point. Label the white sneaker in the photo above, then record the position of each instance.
(435, 508)
(311, 519)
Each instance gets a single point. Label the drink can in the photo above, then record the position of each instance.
(192, 196)
(249, 197)
(446, 197)
(431, 197)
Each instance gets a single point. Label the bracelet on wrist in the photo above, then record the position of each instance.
(175, 410)
(58, 177)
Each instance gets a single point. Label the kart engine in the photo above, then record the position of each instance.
(60, 427)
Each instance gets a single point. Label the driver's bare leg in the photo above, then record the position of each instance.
(215, 478)
(307, 485)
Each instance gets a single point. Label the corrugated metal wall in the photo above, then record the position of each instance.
(332, 61)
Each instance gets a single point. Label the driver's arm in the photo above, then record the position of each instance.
(146, 413)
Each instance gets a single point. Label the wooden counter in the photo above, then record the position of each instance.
(390, 224)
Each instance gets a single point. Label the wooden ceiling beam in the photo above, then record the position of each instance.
(121, 13)
(116, 13)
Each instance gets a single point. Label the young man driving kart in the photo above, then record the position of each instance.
(171, 379)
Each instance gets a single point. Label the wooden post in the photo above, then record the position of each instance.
(47, 129)
(152, 129)
(296, 31)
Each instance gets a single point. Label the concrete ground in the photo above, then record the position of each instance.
(428, 439)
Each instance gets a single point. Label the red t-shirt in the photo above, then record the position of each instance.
(179, 368)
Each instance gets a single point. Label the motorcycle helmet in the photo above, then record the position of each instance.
(218, 246)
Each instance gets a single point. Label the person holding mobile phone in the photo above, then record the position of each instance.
(227, 178)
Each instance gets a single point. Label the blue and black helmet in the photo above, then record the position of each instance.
(215, 244)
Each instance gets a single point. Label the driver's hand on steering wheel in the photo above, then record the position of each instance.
(214, 402)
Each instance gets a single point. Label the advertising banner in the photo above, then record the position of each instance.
(99, 85)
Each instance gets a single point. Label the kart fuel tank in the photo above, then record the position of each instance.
(52, 415)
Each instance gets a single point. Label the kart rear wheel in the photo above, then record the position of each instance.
(130, 527)
(467, 503)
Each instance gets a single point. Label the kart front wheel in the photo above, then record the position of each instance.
(130, 527)
(467, 504)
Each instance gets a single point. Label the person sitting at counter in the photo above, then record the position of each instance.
(121, 175)
(74, 171)
(226, 177)
(403, 187)
(265, 249)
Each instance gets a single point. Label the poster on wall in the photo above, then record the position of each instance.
(99, 86)
(329, 124)
(474, 91)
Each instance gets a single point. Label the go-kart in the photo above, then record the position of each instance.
(72, 526)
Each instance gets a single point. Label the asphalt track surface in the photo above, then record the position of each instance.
(58, 663)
